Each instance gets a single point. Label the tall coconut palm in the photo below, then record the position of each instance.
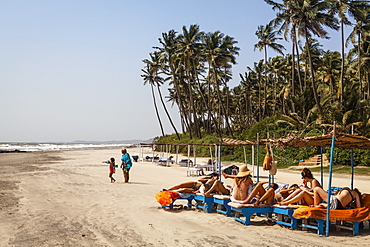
(330, 69)
(344, 8)
(188, 47)
(357, 36)
(150, 76)
(311, 17)
(267, 39)
(219, 51)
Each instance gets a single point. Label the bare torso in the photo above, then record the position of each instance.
(241, 192)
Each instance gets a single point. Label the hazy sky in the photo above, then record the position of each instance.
(70, 70)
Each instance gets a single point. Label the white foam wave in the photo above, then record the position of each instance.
(34, 147)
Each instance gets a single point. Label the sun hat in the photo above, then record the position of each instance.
(243, 171)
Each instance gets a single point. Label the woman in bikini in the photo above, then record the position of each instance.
(305, 194)
(341, 200)
(242, 184)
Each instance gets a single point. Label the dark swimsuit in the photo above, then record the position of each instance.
(340, 206)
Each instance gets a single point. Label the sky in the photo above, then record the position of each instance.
(71, 70)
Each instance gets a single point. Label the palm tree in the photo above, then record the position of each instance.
(357, 36)
(151, 77)
(219, 51)
(311, 16)
(330, 69)
(188, 47)
(267, 38)
(343, 7)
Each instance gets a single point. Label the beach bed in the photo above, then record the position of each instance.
(247, 210)
(204, 202)
(221, 202)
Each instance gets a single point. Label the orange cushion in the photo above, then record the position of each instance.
(365, 200)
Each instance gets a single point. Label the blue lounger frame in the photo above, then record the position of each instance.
(286, 212)
(249, 211)
(204, 202)
(222, 202)
(356, 226)
(190, 198)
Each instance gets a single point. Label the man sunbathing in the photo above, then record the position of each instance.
(193, 187)
(345, 198)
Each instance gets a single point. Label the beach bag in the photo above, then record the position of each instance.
(273, 169)
(267, 161)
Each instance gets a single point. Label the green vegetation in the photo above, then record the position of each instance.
(303, 92)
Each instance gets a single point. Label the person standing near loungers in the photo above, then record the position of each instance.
(126, 164)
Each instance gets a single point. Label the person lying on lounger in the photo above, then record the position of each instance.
(305, 195)
(285, 192)
(193, 187)
(216, 188)
(345, 198)
(261, 195)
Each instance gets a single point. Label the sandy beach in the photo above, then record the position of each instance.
(65, 198)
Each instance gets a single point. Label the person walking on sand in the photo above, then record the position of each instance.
(112, 168)
(126, 164)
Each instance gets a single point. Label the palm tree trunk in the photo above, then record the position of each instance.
(168, 115)
(342, 67)
(313, 83)
(156, 109)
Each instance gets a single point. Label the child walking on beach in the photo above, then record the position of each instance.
(112, 169)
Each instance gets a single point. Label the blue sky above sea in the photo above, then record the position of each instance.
(70, 70)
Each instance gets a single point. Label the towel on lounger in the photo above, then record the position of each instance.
(166, 197)
(353, 215)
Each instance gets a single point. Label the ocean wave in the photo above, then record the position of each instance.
(35, 147)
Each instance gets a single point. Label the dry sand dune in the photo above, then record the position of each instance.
(66, 199)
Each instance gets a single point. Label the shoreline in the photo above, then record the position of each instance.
(65, 198)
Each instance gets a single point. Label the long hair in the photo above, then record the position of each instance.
(306, 173)
(239, 180)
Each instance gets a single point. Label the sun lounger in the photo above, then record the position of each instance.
(222, 206)
(204, 202)
(194, 171)
(285, 211)
(248, 210)
(351, 216)
(168, 198)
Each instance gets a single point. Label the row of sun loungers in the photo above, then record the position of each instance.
(290, 216)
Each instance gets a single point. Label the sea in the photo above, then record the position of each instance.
(37, 147)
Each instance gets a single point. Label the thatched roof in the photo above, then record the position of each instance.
(342, 140)
(233, 142)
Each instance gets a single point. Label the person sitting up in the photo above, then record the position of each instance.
(345, 198)
(261, 195)
(193, 187)
(305, 194)
(242, 184)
